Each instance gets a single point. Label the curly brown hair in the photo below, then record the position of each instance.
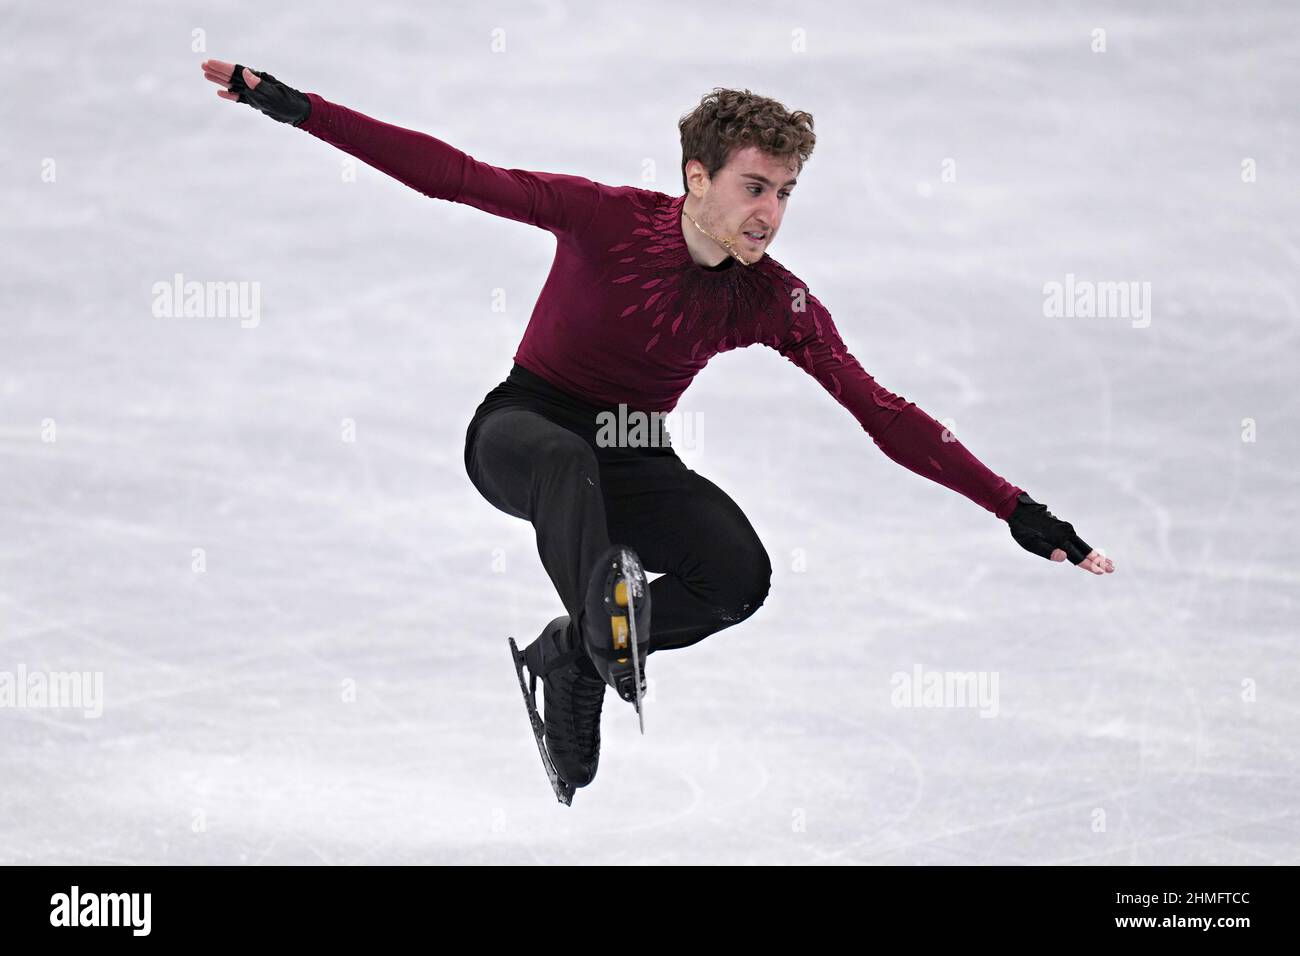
(727, 120)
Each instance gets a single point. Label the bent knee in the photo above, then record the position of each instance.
(752, 583)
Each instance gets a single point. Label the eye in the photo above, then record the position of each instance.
(758, 189)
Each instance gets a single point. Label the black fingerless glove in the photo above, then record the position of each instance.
(1039, 531)
(272, 97)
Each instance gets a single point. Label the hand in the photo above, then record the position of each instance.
(1096, 562)
(221, 73)
(261, 91)
(1040, 532)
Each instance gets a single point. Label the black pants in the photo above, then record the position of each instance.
(531, 451)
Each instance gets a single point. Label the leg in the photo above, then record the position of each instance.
(531, 468)
(716, 571)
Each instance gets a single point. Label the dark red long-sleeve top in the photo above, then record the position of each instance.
(627, 316)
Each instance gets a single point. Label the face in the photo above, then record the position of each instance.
(748, 195)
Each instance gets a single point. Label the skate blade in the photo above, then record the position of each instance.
(636, 664)
(563, 789)
(624, 596)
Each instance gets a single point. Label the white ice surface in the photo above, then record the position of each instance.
(224, 737)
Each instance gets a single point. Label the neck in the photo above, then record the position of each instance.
(705, 246)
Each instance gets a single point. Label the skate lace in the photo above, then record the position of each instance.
(584, 697)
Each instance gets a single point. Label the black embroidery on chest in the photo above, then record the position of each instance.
(713, 310)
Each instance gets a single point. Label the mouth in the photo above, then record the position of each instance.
(757, 238)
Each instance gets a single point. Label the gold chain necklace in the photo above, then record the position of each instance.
(726, 244)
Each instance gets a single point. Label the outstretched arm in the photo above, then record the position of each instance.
(913, 439)
(556, 202)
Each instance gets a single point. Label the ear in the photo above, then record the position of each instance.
(697, 177)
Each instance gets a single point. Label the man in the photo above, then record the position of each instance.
(644, 290)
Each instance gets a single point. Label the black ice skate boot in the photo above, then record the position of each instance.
(573, 693)
(616, 623)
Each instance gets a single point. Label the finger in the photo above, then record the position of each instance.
(1101, 563)
(1058, 555)
(251, 78)
(227, 95)
(219, 80)
(220, 67)
(1075, 548)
